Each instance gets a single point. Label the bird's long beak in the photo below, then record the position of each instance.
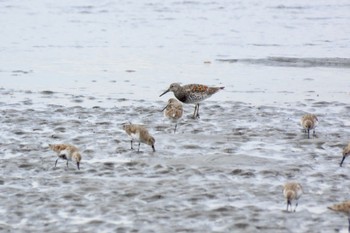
(164, 108)
(78, 165)
(341, 163)
(164, 92)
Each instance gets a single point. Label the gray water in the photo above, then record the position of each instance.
(135, 49)
(75, 71)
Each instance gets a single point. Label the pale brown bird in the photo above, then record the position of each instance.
(309, 122)
(66, 152)
(344, 208)
(292, 191)
(140, 134)
(173, 111)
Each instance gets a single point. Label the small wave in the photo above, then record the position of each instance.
(294, 62)
(296, 7)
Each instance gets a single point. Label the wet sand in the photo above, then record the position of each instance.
(221, 173)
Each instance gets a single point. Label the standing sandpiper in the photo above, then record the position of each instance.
(173, 111)
(309, 122)
(292, 191)
(66, 152)
(140, 134)
(192, 94)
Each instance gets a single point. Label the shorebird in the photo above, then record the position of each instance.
(173, 111)
(346, 153)
(192, 94)
(292, 191)
(309, 122)
(67, 152)
(140, 134)
(343, 207)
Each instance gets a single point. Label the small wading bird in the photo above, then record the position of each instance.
(66, 152)
(346, 153)
(192, 94)
(292, 191)
(140, 134)
(173, 111)
(309, 122)
(342, 208)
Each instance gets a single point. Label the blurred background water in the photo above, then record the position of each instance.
(135, 49)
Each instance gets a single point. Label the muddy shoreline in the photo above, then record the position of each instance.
(221, 173)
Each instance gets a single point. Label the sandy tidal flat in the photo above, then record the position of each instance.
(221, 173)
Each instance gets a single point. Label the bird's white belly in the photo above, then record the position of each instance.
(135, 136)
(67, 153)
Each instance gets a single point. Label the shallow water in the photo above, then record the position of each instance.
(74, 72)
(135, 49)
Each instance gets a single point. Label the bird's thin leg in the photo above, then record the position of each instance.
(175, 128)
(67, 163)
(314, 133)
(131, 144)
(197, 116)
(296, 205)
(56, 162)
(138, 150)
(349, 224)
(308, 133)
(194, 113)
(288, 203)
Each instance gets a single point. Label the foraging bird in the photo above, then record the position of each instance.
(346, 153)
(343, 207)
(192, 94)
(292, 191)
(67, 152)
(173, 111)
(140, 134)
(309, 122)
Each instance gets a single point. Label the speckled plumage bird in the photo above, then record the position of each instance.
(192, 94)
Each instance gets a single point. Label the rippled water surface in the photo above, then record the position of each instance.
(75, 71)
